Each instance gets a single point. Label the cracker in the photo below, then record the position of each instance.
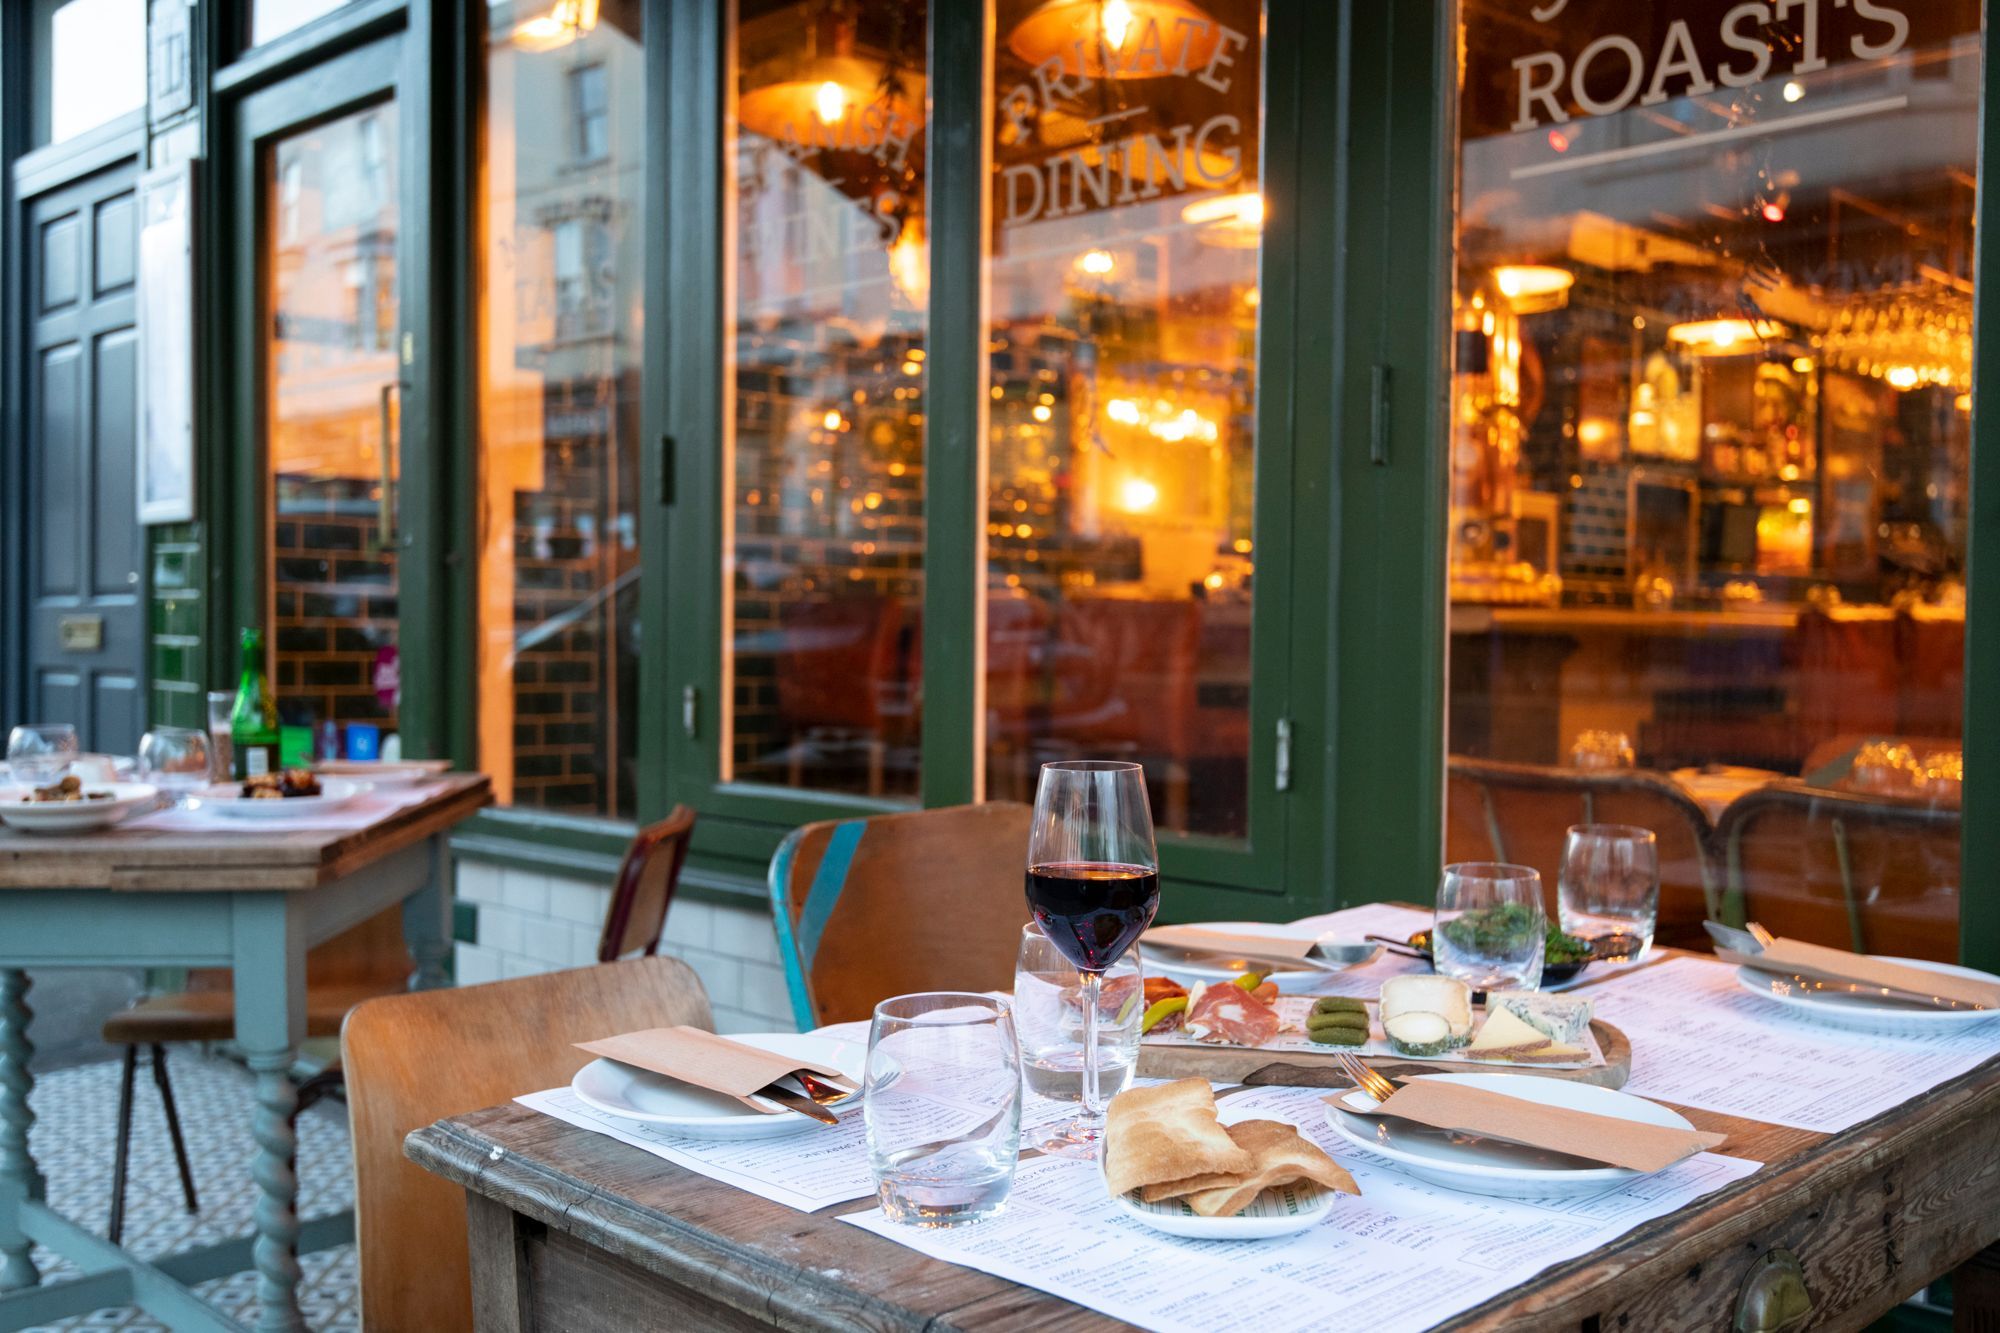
(1167, 1132)
(1283, 1156)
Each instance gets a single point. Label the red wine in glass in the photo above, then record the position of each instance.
(1092, 911)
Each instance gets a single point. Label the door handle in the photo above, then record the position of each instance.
(390, 448)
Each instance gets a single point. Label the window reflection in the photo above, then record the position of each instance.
(271, 19)
(89, 64)
(1126, 224)
(1711, 418)
(561, 260)
(826, 396)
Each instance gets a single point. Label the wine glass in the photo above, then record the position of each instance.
(175, 759)
(1609, 889)
(1491, 927)
(39, 752)
(1093, 885)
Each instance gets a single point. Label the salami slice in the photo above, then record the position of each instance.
(1231, 1015)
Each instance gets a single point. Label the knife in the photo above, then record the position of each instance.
(794, 1101)
(1729, 937)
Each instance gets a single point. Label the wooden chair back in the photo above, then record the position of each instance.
(1877, 874)
(869, 908)
(644, 889)
(416, 1058)
(1521, 812)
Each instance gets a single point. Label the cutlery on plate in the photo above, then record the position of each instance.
(1325, 955)
(1367, 1082)
(821, 1091)
(796, 1101)
(1911, 998)
(1729, 937)
(1398, 947)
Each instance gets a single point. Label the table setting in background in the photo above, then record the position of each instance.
(1230, 1123)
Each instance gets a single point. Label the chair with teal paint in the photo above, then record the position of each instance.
(887, 905)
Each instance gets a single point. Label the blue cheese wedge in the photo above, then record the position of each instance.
(1563, 1019)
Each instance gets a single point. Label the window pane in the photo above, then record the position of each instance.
(89, 67)
(1126, 218)
(562, 259)
(825, 397)
(1712, 404)
(274, 18)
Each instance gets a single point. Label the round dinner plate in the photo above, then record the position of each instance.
(227, 798)
(127, 798)
(399, 774)
(1869, 1012)
(681, 1108)
(1505, 1169)
(1292, 981)
(1291, 1208)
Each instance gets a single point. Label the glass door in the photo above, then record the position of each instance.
(323, 165)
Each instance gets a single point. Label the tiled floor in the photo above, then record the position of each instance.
(74, 1138)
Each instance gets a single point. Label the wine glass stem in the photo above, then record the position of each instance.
(1093, 1101)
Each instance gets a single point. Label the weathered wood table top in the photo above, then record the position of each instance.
(249, 857)
(1871, 1213)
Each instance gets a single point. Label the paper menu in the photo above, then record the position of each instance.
(1698, 1039)
(1409, 1253)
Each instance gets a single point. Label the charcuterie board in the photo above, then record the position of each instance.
(1307, 1069)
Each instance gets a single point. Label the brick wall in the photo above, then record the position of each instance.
(334, 591)
(530, 922)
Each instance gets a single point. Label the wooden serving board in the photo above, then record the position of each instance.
(1300, 1069)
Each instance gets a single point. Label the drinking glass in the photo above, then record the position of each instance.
(1609, 888)
(221, 748)
(1093, 885)
(1490, 925)
(941, 1105)
(39, 752)
(176, 760)
(1048, 1016)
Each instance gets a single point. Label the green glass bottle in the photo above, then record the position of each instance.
(253, 722)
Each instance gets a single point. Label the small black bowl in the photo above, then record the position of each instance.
(1606, 948)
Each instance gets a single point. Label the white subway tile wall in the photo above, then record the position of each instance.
(531, 922)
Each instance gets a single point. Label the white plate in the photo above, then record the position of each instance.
(1299, 981)
(381, 774)
(1867, 1012)
(639, 1094)
(127, 798)
(227, 798)
(1504, 1169)
(1294, 1207)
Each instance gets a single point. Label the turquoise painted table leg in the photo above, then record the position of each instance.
(19, 1180)
(269, 962)
(427, 922)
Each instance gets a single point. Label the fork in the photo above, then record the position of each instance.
(1365, 1079)
(1764, 937)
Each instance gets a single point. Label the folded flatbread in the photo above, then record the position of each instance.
(1283, 1156)
(1167, 1132)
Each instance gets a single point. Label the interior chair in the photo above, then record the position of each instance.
(1876, 874)
(416, 1058)
(886, 905)
(840, 662)
(363, 963)
(1520, 813)
(1122, 685)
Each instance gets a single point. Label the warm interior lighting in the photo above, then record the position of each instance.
(831, 420)
(1097, 263)
(1902, 377)
(1123, 411)
(1162, 421)
(566, 21)
(1533, 288)
(1118, 39)
(829, 102)
(1794, 90)
(1138, 495)
(1801, 505)
(1724, 336)
(1235, 220)
(1963, 403)
(910, 266)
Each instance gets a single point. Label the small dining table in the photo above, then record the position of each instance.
(250, 899)
(575, 1230)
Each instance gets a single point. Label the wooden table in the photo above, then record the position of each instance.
(249, 900)
(577, 1231)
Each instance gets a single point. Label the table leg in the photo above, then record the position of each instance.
(19, 1181)
(269, 963)
(427, 922)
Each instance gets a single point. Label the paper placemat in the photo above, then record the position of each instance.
(1405, 1255)
(1699, 1039)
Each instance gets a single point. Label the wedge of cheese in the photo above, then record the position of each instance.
(1563, 1019)
(1506, 1037)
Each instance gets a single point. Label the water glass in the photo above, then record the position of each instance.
(942, 1106)
(176, 760)
(1609, 887)
(40, 752)
(1602, 750)
(1048, 1015)
(221, 748)
(1490, 926)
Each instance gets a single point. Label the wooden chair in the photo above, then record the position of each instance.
(417, 1058)
(1877, 874)
(366, 962)
(869, 908)
(1521, 812)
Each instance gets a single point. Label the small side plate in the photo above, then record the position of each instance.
(1864, 1012)
(1275, 1212)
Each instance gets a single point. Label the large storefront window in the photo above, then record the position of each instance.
(1711, 404)
(1126, 222)
(561, 260)
(824, 396)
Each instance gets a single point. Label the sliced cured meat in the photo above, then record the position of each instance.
(1230, 1014)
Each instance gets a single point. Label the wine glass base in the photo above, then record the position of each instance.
(1080, 1139)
